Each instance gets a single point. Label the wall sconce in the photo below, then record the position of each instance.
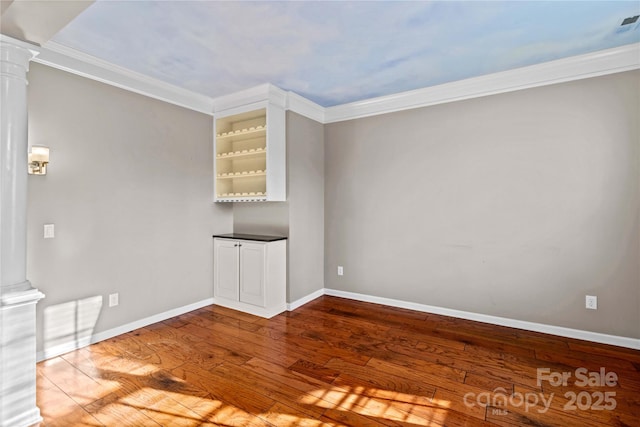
(38, 160)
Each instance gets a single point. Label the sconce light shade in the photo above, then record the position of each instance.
(38, 160)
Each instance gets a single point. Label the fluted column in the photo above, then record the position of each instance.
(17, 297)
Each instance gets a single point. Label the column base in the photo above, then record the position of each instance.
(18, 357)
(30, 418)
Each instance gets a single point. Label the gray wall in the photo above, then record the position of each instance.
(305, 165)
(513, 205)
(301, 218)
(261, 218)
(129, 190)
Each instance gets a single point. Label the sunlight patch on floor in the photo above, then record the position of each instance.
(380, 403)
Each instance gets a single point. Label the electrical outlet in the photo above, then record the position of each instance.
(340, 270)
(591, 302)
(49, 231)
(113, 300)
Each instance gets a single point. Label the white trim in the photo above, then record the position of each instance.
(29, 296)
(305, 107)
(513, 323)
(25, 419)
(242, 108)
(34, 49)
(256, 94)
(105, 335)
(302, 301)
(64, 58)
(267, 313)
(633, 343)
(609, 61)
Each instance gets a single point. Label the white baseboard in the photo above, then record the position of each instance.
(633, 343)
(302, 301)
(627, 342)
(57, 350)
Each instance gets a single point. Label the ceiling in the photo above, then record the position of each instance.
(334, 52)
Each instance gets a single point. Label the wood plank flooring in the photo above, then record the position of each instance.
(338, 362)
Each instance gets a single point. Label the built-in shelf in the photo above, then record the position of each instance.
(244, 174)
(243, 153)
(250, 159)
(255, 195)
(240, 198)
(241, 132)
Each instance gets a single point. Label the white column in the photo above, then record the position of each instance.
(17, 297)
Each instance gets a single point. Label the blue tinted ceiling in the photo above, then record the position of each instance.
(341, 51)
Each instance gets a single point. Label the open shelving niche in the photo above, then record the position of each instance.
(249, 156)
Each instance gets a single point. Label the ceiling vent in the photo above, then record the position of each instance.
(628, 25)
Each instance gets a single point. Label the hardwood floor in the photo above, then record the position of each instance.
(338, 362)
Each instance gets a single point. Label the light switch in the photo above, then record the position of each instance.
(49, 231)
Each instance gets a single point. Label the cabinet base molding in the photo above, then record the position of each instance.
(267, 313)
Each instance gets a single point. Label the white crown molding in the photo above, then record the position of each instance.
(67, 59)
(304, 107)
(254, 95)
(63, 58)
(594, 64)
(267, 92)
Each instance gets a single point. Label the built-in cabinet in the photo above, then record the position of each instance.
(254, 140)
(250, 154)
(250, 273)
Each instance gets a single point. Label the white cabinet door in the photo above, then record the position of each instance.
(226, 269)
(253, 273)
(251, 276)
